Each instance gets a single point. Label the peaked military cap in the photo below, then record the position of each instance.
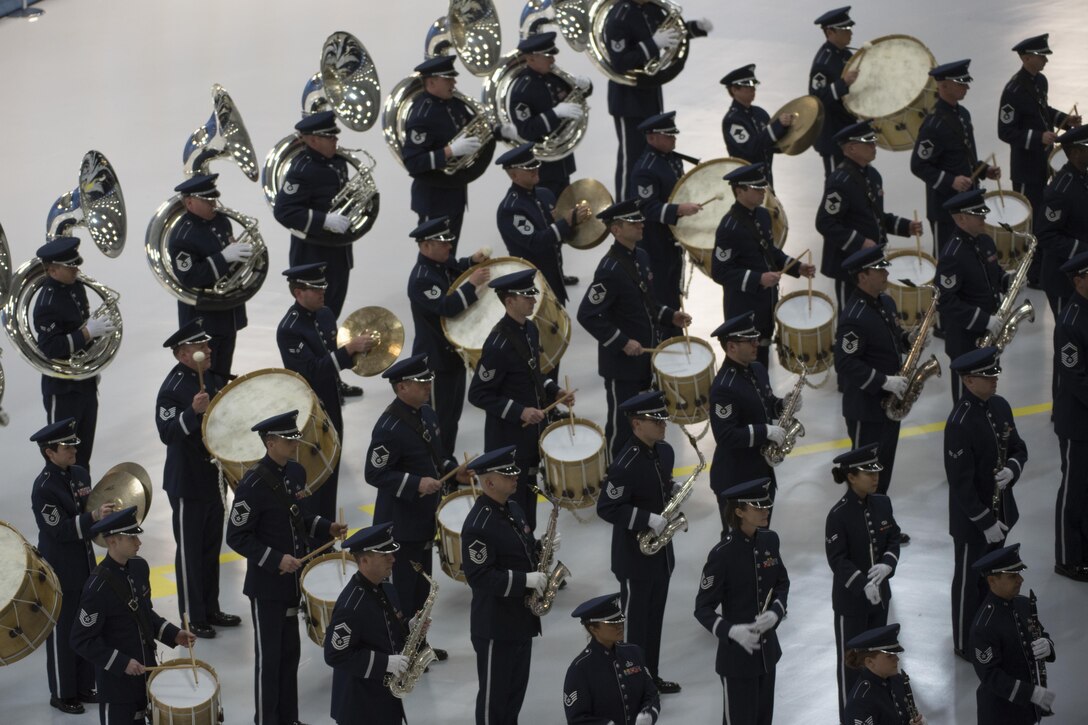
(201, 186)
(518, 283)
(1074, 137)
(311, 275)
(751, 175)
(607, 608)
(322, 123)
(1076, 265)
(868, 258)
(984, 362)
(743, 76)
(282, 425)
(972, 201)
(62, 250)
(500, 460)
(741, 327)
(624, 211)
(956, 71)
(756, 492)
(661, 123)
(648, 404)
(191, 333)
(879, 639)
(411, 368)
(378, 538)
(118, 522)
(861, 132)
(433, 230)
(860, 459)
(62, 432)
(1005, 560)
(837, 18)
(519, 157)
(542, 43)
(1035, 45)
(440, 65)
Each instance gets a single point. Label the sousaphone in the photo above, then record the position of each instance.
(656, 71)
(570, 16)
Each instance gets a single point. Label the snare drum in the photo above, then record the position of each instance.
(684, 368)
(893, 88)
(1055, 160)
(808, 334)
(451, 514)
(912, 302)
(249, 399)
(176, 697)
(574, 461)
(323, 579)
(1016, 212)
(30, 597)
(468, 331)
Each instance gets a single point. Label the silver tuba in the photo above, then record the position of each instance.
(571, 16)
(223, 136)
(96, 203)
(657, 71)
(471, 27)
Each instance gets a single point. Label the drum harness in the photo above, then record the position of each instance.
(298, 526)
(415, 424)
(956, 120)
(524, 350)
(858, 175)
(132, 604)
(629, 265)
(765, 246)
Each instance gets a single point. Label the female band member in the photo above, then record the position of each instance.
(881, 695)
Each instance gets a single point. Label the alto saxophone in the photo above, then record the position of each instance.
(675, 520)
(916, 375)
(541, 604)
(1002, 459)
(775, 453)
(419, 653)
(912, 709)
(1011, 315)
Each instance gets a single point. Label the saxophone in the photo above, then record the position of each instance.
(649, 543)
(1002, 459)
(774, 453)
(1009, 313)
(416, 649)
(1035, 628)
(916, 375)
(912, 709)
(541, 604)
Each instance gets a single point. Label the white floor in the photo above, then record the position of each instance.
(132, 80)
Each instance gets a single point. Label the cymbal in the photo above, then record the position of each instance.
(593, 231)
(139, 472)
(808, 119)
(123, 488)
(389, 331)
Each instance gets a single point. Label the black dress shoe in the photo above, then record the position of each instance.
(68, 705)
(665, 687)
(441, 654)
(350, 391)
(1073, 571)
(904, 538)
(569, 280)
(202, 630)
(91, 698)
(222, 619)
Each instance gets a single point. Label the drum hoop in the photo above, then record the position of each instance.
(902, 288)
(577, 421)
(855, 59)
(216, 695)
(237, 382)
(803, 293)
(320, 560)
(1009, 194)
(680, 339)
(698, 169)
(441, 504)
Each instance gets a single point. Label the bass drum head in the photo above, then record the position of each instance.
(892, 72)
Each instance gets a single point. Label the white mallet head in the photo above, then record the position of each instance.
(199, 356)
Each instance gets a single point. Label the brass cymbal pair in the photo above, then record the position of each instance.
(126, 484)
(384, 325)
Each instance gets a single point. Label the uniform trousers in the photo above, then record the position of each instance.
(883, 432)
(968, 588)
(644, 607)
(502, 668)
(1034, 191)
(277, 650)
(69, 674)
(448, 401)
(632, 143)
(848, 626)
(617, 430)
(1071, 516)
(412, 589)
(337, 262)
(222, 347)
(122, 713)
(198, 533)
(748, 700)
(83, 406)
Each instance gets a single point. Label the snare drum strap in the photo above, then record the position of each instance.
(862, 179)
(525, 351)
(626, 262)
(956, 120)
(765, 244)
(131, 603)
(415, 423)
(294, 512)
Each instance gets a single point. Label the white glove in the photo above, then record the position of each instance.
(99, 326)
(896, 385)
(1003, 477)
(657, 523)
(675, 490)
(704, 25)
(994, 325)
(668, 38)
(776, 434)
(238, 252)
(569, 110)
(878, 573)
(996, 533)
(396, 665)
(799, 404)
(336, 223)
(872, 593)
(1040, 648)
(509, 132)
(1042, 697)
(557, 541)
(583, 83)
(465, 145)
(765, 622)
(745, 636)
(536, 580)
(644, 718)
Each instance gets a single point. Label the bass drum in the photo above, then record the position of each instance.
(30, 596)
(893, 89)
(703, 184)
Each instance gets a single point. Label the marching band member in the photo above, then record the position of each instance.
(861, 540)
(639, 484)
(366, 633)
(509, 386)
(878, 695)
(537, 100)
(620, 310)
(1009, 646)
(269, 529)
(431, 142)
(404, 462)
(852, 216)
(116, 628)
(63, 322)
(971, 279)
(742, 410)
(869, 345)
(609, 679)
(984, 457)
(306, 337)
(750, 590)
(634, 34)
(652, 180)
(191, 479)
(829, 81)
(430, 299)
(747, 129)
(1070, 412)
(59, 501)
(746, 262)
(945, 155)
(203, 251)
(499, 555)
(1063, 227)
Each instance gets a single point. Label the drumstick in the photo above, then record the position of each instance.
(917, 237)
(343, 552)
(157, 668)
(317, 551)
(472, 480)
(810, 285)
(687, 335)
(549, 407)
(793, 261)
(716, 197)
(453, 473)
(198, 358)
(192, 659)
(570, 409)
